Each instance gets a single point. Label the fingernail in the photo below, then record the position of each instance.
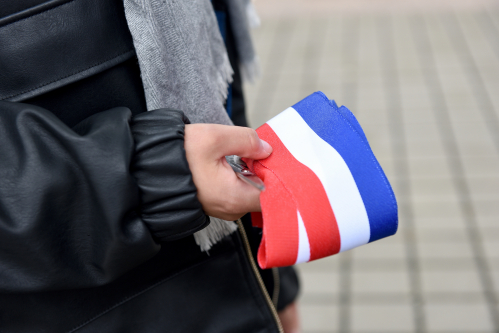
(266, 147)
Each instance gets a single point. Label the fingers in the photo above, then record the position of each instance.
(244, 142)
(243, 198)
(231, 140)
(221, 193)
(248, 198)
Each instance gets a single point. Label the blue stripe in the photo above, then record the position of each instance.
(340, 128)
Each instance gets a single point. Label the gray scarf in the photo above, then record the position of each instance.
(184, 65)
(182, 57)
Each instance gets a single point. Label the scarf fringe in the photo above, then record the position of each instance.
(252, 14)
(213, 233)
(224, 79)
(250, 71)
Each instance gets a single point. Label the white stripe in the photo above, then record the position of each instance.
(309, 149)
(303, 243)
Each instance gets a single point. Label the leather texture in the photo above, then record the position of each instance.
(169, 204)
(179, 290)
(30, 61)
(119, 85)
(71, 195)
(95, 205)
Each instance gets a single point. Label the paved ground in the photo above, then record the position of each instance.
(424, 85)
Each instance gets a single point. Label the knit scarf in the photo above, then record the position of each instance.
(184, 65)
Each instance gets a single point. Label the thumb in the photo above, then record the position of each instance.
(244, 142)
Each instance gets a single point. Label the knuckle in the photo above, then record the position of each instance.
(252, 138)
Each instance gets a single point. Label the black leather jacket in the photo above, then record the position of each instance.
(97, 201)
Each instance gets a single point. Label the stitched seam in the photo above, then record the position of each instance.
(36, 14)
(294, 200)
(371, 154)
(129, 298)
(69, 75)
(283, 184)
(293, 197)
(187, 232)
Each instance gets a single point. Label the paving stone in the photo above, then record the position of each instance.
(425, 149)
(482, 165)
(380, 282)
(323, 318)
(381, 249)
(380, 298)
(493, 263)
(487, 208)
(428, 166)
(382, 318)
(447, 264)
(319, 282)
(338, 47)
(450, 281)
(438, 234)
(445, 250)
(475, 148)
(491, 248)
(458, 318)
(475, 130)
(424, 131)
(487, 221)
(490, 234)
(448, 221)
(432, 188)
(378, 264)
(436, 209)
(454, 297)
(495, 280)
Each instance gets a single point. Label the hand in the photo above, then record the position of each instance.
(221, 193)
(289, 318)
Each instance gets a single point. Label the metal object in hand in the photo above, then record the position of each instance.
(243, 172)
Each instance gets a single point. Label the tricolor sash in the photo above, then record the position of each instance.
(325, 191)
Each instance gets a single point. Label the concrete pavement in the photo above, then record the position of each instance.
(424, 84)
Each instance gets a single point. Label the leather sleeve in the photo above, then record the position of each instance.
(80, 207)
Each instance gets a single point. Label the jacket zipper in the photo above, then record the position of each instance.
(257, 275)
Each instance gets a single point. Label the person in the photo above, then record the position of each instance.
(99, 198)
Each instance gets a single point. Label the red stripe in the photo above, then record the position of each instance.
(308, 194)
(279, 246)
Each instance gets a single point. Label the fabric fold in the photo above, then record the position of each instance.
(326, 192)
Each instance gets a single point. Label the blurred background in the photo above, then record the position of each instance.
(422, 77)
